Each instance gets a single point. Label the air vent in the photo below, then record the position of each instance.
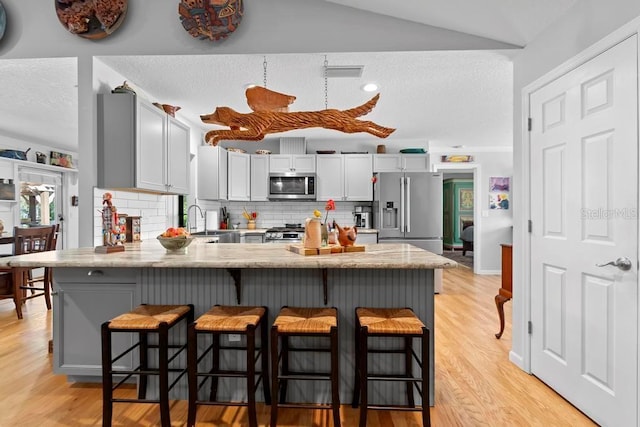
(344, 70)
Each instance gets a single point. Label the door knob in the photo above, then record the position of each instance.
(622, 263)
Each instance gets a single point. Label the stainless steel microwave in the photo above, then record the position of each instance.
(292, 186)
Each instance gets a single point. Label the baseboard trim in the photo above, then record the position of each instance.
(489, 272)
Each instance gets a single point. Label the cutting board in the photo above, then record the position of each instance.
(325, 250)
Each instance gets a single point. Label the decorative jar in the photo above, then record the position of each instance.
(312, 233)
(251, 224)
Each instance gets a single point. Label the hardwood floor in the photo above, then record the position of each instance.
(476, 385)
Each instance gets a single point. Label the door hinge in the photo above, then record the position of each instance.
(529, 124)
(530, 226)
(529, 327)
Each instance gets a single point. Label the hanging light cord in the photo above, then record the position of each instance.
(326, 85)
(264, 73)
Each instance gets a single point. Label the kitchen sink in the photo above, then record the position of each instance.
(219, 236)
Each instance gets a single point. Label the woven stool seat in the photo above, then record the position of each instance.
(390, 320)
(300, 324)
(155, 359)
(229, 318)
(149, 317)
(297, 320)
(380, 324)
(223, 321)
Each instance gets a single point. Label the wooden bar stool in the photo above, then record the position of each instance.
(303, 322)
(144, 319)
(229, 320)
(391, 322)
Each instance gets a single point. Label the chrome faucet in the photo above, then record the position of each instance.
(189, 227)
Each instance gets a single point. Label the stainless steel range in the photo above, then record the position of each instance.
(290, 233)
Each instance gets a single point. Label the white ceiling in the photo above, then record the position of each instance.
(511, 21)
(447, 98)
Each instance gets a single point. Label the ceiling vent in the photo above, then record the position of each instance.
(344, 70)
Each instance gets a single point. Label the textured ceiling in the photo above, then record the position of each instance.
(446, 98)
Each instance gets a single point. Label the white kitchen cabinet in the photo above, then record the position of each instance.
(212, 173)
(344, 177)
(358, 171)
(282, 163)
(330, 176)
(259, 177)
(84, 299)
(239, 176)
(179, 161)
(400, 162)
(140, 147)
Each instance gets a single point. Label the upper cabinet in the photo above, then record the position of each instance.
(212, 173)
(140, 147)
(259, 177)
(239, 176)
(283, 163)
(400, 162)
(344, 177)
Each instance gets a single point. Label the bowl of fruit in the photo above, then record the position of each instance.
(175, 239)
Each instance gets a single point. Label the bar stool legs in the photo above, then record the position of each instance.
(145, 319)
(372, 322)
(301, 322)
(229, 320)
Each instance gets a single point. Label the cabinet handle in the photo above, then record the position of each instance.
(53, 294)
(95, 273)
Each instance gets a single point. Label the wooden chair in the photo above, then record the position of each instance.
(47, 277)
(14, 281)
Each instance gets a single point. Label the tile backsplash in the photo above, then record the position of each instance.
(158, 212)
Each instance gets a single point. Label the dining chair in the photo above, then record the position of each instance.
(14, 281)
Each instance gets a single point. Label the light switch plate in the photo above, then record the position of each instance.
(234, 337)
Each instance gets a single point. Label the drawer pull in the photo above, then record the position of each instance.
(95, 273)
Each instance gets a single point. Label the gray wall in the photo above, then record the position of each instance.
(583, 25)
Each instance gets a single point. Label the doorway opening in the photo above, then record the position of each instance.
(40, 199)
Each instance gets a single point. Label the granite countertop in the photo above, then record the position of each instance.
(262, 231)
(150, 254)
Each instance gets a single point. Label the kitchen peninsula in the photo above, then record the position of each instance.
(92, 288)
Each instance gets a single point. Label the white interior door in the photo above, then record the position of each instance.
(584, 201)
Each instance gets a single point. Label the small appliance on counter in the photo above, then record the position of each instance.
(362, 216)
(211, 221)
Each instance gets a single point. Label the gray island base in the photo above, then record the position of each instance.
(92, 288)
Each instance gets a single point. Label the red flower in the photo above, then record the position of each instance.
(330, 206)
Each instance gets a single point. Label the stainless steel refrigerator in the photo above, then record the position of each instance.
(408, 208)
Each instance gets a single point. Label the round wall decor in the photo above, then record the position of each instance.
(91, 19)
(3, 21)
(211, 19)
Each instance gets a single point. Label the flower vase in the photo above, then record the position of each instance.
(312, 233)
(324, 235)
(251, 224)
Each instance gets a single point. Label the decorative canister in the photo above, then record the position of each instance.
(312, 233)
(251, 224)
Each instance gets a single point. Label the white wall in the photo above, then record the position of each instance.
(492, 227)
(583, 25)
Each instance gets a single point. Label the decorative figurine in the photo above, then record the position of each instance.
(110, 227)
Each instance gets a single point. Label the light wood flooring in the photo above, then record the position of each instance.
(476, 385)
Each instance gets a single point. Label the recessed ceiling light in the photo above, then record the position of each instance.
(370, 87)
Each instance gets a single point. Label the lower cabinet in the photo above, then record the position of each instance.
(366, 238)
(83, 300)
